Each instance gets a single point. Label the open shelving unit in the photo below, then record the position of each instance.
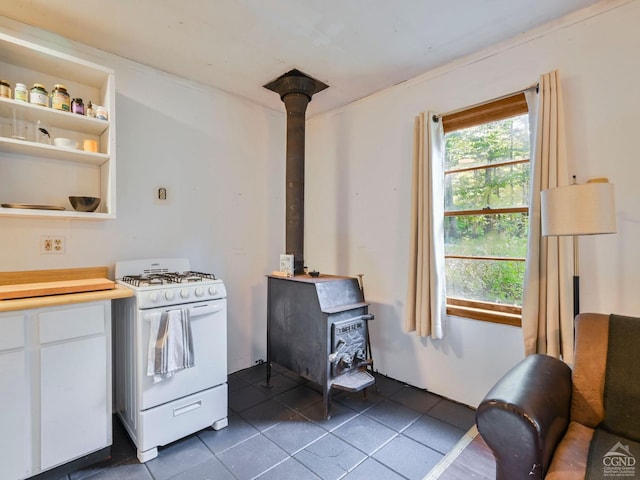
(35, 173)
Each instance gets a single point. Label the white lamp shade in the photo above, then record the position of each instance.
(587, 209)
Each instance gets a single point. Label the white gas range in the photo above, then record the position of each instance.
(158, 410)
(165, 282)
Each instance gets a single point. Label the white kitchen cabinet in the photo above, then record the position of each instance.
(14, 424)
(74, 408)
(55, 386)
(36, 173)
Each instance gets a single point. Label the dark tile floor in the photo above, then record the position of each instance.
(397, 432)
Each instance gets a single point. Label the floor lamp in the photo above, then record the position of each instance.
(587, 209)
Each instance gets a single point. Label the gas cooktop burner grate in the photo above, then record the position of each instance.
(139, 280)
(185, 277)
(167, 278)
(210, 276)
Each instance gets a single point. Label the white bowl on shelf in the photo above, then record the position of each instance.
(65, 142)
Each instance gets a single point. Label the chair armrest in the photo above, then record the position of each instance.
(524, 416)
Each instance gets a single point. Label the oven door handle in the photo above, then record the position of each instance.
(204, 310)
(197, 311)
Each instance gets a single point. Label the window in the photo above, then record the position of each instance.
(486, 209)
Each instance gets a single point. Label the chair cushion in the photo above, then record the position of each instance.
(570, 458)
(587, 400)
(622, 379)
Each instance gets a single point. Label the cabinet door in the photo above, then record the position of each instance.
(14, 437)
(74, 418)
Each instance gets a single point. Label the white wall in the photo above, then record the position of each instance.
(221, 158)
(359, 177)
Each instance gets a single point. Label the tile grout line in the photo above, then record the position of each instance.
(290, 456)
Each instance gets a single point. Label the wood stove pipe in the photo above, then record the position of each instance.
(295, 89)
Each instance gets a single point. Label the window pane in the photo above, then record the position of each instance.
(503, 235)
(505, 186)
(488, 143)
(485, 280)
(477, 179)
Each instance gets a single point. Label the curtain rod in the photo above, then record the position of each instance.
(437, 117)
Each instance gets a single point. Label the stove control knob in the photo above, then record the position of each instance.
(153, 296)
(199, 292)
(184, 293)
(168, 295)
(213, 290)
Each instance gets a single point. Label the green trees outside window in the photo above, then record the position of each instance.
(486, 210)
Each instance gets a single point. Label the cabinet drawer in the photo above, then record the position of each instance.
(67, 323)
(12, 332)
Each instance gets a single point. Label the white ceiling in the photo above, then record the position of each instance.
(357, 47)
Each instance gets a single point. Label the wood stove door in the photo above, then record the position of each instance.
(348, 345)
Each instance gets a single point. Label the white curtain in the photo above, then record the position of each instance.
(426, 298)
(547, 309)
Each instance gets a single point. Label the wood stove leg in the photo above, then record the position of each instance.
(326, 400)
(268, 362)
(268, 384)
(370, 357)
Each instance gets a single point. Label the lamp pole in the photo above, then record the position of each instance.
(576, 278)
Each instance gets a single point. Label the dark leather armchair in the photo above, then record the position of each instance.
(540, 417)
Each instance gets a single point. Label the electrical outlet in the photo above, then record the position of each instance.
(162, 195)
(52, 245)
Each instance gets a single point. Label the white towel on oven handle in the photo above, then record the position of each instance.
(170, 343)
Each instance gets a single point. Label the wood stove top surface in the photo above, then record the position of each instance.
(309, 279)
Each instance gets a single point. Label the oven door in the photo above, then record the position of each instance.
(209, 332)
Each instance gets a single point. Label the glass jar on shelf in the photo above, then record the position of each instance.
(77, 106)
(60, 98)
(38, 95)
(42, 132)
(21, 93)
(5, 89)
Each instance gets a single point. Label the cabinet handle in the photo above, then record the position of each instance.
(182, 410)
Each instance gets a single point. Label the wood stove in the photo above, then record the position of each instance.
(317, 327)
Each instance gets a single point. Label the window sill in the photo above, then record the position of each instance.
(484, 315)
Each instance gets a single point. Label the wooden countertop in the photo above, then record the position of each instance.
(65, 299)
(34, 276)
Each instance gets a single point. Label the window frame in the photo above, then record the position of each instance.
(499, 109)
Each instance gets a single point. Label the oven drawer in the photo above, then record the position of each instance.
(165, 423)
